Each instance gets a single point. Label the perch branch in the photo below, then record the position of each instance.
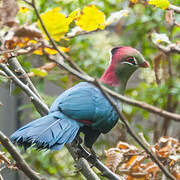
(20, 162)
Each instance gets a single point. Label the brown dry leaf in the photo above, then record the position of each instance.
(152, 170)
(166, 146)
(125, 146)
(8, 12)
(114, 158)
(15, 42)
(134, 162)
(3, 158)
(31, 33)
(169, 17)
(176, 175)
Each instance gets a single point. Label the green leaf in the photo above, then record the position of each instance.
(39, 72)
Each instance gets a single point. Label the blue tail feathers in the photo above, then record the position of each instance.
(49, 132)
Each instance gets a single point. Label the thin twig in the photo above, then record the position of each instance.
(9, 51)
(143, 139)
(20, 162)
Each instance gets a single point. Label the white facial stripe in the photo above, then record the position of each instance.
(126, 63)
(110, 61)
(135, 60)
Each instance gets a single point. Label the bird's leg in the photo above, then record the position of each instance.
(93, 156)
(93, 153)
(77, 141)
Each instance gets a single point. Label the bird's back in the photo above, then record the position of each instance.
(85, 102)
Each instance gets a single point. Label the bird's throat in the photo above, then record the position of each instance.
(120, 89)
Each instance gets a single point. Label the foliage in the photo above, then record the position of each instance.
(133, 163)
(116, 23)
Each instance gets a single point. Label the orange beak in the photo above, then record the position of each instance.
(144, 65)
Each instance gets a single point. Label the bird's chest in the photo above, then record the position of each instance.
(105, 116)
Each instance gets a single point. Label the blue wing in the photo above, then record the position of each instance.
(86, 102)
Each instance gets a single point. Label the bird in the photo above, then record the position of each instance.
(83, 107)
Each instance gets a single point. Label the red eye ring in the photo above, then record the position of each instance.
(131, 60)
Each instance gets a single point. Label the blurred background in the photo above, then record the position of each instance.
(158, 85)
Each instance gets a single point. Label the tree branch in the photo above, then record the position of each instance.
(19, 71)
(83, 166)
(171, 48)
(34, 98)
(20, 162)
(175, 8)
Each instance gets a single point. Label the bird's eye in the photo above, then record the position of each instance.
(131, 60)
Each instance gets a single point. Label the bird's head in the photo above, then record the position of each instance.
(123, 62)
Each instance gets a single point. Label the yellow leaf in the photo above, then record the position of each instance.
(33, 41)
(64, 49)
(91, 18)
(55, 22)
(159, 40)
(38, 51)
(50, 51)
(163, 4)
(74, 15)
(134, 1)
(23, 9)
(53, 51)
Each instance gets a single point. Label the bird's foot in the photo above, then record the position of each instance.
(93, 157)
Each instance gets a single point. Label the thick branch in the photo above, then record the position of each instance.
(20, 162)
(83, 166)
(35, 99)
(106, 172)
(171, 48)
(19, 71)
(175, 8)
